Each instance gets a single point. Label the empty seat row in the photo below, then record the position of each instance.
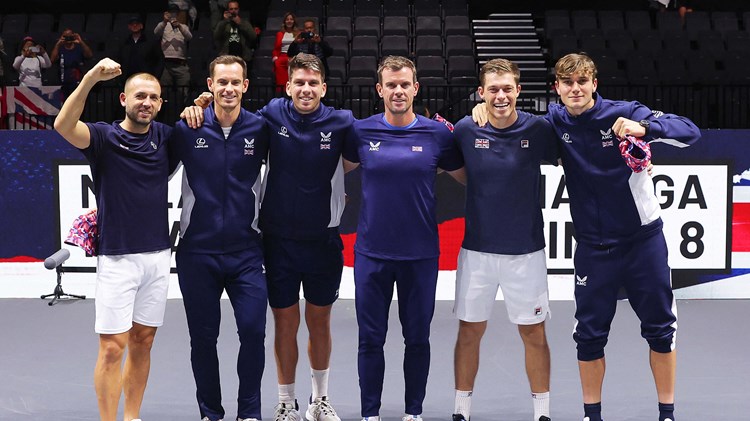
(352, 8)
(640, 20)
(623, 43)
(674, 70)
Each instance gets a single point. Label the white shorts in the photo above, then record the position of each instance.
(522, 279)
(131, 288)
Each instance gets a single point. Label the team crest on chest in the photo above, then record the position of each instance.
(153, 145)
(284, 131)
(250, 146)
(200, 143)
(325, 140)
(607, 139)
(374, 146)
(524, 143)
(416, 149)
(481, 143)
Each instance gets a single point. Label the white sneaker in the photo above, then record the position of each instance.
(375, 418)
(321, 410)
(409, 417)
(247, 419)
(286, 412)
(202, 419)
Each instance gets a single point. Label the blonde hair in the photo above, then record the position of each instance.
(500, 66)
(394, 64)
(573, 63)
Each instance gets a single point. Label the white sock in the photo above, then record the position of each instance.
(541, 404)
(463, 403)
(286, 393)
(319, 383)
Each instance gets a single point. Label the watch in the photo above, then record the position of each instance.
(645, 124)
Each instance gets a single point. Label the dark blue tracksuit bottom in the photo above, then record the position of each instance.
(203, 278)
(640, 268)
(416, 281)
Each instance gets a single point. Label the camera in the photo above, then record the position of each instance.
(69, 38)
(34, 49)
(306, 35)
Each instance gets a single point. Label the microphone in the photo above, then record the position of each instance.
(56, 259)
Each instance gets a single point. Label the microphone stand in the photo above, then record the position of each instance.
(59, 294)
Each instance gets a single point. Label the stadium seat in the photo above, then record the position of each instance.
(426, 8)
(339, 25)
(367, 25)
(42, 22)
(428, 45)
(459, 45)
(669, 21)
(394, 45)
(340, 8)
(396, 25)
(396, 8)
(339, 44)
(724, 21)
(637, 20)
(365, 45)
(363, 66)
(313, 8)
(428, 25)
(611, 20)
(280, 7)
(101, 24)
(337, 68)
(368, 8)
(457, 25)
(461, 66)
(430, 66)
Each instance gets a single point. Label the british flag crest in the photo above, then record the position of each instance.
(482, 143)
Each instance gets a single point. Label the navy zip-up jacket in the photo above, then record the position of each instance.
(303, 189)
(609, 203)
(221, 183)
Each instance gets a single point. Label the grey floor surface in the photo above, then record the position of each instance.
(47, 356)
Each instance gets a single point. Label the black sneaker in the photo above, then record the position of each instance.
(459, 417)
(544, 418)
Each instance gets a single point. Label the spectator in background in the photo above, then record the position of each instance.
(284, 38)
(217, 8)
(186, 11)
(233, 35)
(30, 62)
(309, 41)
(174, 37)
(5, 65)
(71, 50)
(139, 53)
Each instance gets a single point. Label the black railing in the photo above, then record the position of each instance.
(710, 107)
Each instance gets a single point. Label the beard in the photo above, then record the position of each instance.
(132, 114)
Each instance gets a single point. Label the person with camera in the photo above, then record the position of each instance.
(234, 35)
(174, 37)
(71, 51)
(309, 41)
(280, 57)
(30, 62)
